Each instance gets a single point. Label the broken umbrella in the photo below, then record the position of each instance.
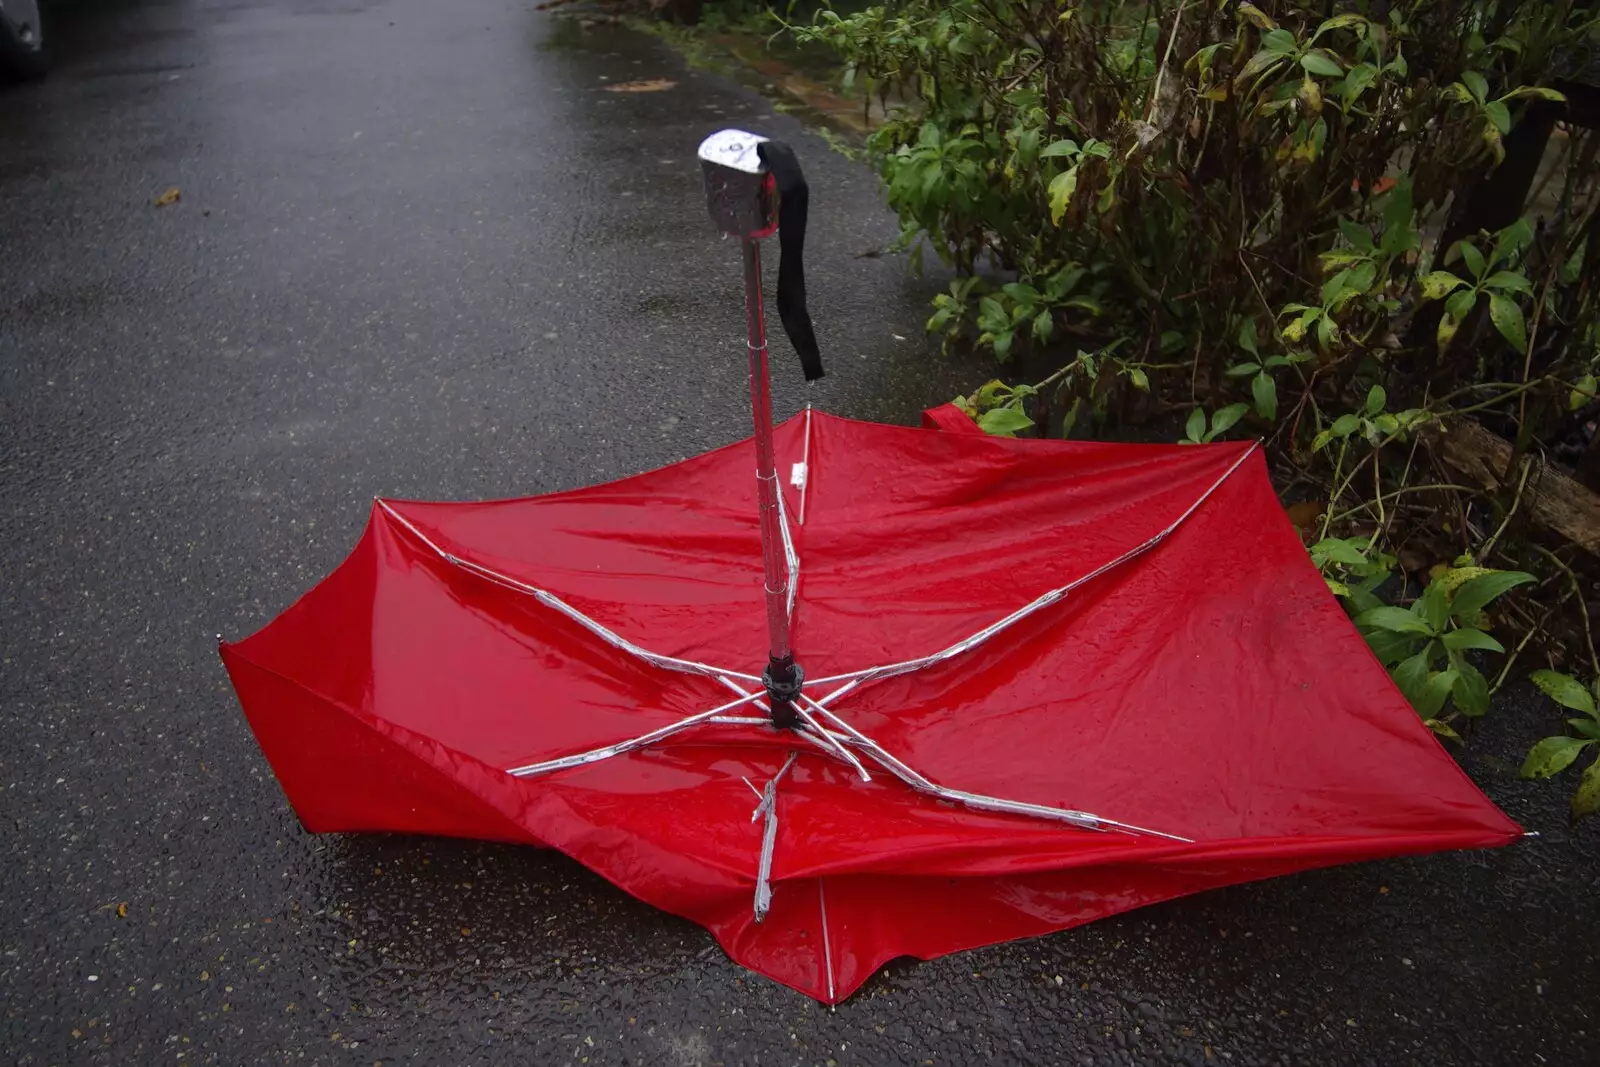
(932, 691)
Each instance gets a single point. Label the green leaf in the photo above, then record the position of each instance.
(1337, 550)
(1387, 645)
(1265, 393)
(1507, 317)
(1443, 729)
(1460, 303)
(1472, 258)
(1021, 292)
(1529, 92)
(1376, 399)
(1361, 599)
(1241, 370)
(1140, 380)
(1335, 286)
(1512, 239)
(1471, 637)
(1474, 595)
(1362, 276)
(1448, 324)
(1476, 84)
(1439, 687)
(1438, 284)
(1345, 425)
(992, 315)
(1398, 211)
(1552, 756)
(1589, 728)
(1395, 620)
(1319, 442)
(1508, 281)
(1471, 691)
(1195, 428)
(1564, 690)
(1202, 59)
(1003, 422)
(1359, 236)
(1224, 419)
(1496, 143)
(1256, 17)
(1583, 392)
(1321, 63)
(1358, 81)
(1296, 330)
(1435, 606)
(1340, 22)
(1066, 147)
(1044, 324)
(1279, 42)
(1337, 588)
(1002, 344)
(1062, 186)
(1498, 114)
(1327, 332)
(1247, 335)
(1411, 675)
(1586, 801)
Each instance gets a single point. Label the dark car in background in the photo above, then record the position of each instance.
(22, 42)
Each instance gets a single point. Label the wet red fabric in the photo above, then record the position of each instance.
(1210, 688)
(950, 418)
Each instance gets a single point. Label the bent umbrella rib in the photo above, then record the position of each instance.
(1044, 600)
(555, 603)
(979, 801)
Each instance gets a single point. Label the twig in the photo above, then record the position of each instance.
(1516, 501)
(1172, 40)
(1383, 518)
(1338, 469)
(1583, 607)
(1402, 491)
(1020, 78)
(1533, 631)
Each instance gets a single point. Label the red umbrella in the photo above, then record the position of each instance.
(1044, 682)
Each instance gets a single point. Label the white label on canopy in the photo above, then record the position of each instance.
(797, 476)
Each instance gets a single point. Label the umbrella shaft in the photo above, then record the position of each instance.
(772, 557)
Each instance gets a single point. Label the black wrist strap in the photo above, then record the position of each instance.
(793, 201)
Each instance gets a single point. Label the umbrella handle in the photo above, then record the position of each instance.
(739, 194)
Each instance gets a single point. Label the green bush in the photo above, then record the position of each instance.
(1257, 219)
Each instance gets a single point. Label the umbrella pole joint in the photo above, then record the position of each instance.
(783, 679)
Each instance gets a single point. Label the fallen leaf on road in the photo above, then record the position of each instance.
(650, 85)
(122, 910)
(171, 196)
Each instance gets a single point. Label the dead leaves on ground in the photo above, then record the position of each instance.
(649, 85)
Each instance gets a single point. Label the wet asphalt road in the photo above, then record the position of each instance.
(421, 251)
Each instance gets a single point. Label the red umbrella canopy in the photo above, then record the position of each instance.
(1046, 682)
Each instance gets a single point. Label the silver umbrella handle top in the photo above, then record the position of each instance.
(740, 192)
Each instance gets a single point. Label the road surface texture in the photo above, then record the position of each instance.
(421, 250)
